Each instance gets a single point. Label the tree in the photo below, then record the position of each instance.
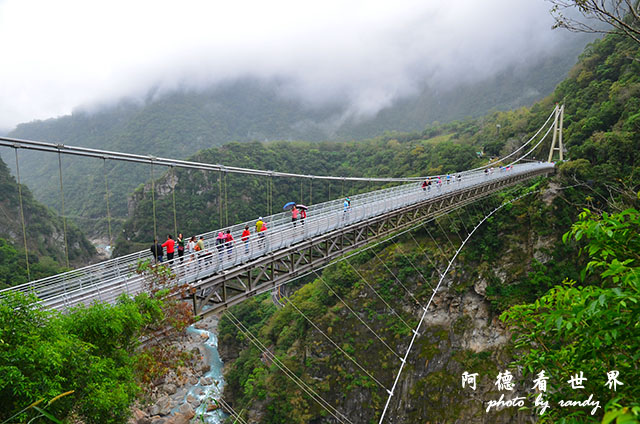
(593, 328)
(622, 15)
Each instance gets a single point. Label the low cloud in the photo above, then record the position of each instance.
(57, 56)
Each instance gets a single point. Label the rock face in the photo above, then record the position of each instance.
(461, 333)
(169, 399)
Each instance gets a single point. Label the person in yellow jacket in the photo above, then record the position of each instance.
(259, 224)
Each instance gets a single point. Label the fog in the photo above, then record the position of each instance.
(60, 55)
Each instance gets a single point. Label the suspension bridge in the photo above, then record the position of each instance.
(221, 276)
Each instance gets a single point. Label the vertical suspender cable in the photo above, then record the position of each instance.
(153, 204)
(311, 190)
(64, 220)
(329, 198)
(24, 227)
(106, 188)
(173, 193)
(270, 195)
(342, 194)
(226, 203)
(220, 197)
(301, 198)
(267, 196)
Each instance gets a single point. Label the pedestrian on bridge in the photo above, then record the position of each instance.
(294, 216)
(245, 238)
(157, 251)
(199, 247)
(191, 250)
(259, 224)
(181, 244)
(262, 234)
(303, 215)
(220, 245)
(228, 241)
(170, 244)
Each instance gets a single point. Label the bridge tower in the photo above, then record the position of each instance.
(556, 144)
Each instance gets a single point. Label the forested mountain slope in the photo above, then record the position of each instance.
(515, 259)
(180, 123)
(45, 236)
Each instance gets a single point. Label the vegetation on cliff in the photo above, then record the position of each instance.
(92, 351)
(44, 234)
(588, 325)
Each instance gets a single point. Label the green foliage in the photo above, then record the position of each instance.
(44, 233)
(593, 328)
(43, 355)
(91, 351)
(13, 269)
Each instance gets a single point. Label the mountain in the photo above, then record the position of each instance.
(180, 123)
(44, 233)
(520, 298)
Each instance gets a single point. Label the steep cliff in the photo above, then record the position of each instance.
(386, 287)
(44, 233)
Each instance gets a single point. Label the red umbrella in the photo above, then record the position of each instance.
(302, 207)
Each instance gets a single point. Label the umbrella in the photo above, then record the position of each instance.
(288, 206)
(302, 207)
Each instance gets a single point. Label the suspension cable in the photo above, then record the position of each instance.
(462, 222)
(425, 254)
(434, 240)
(377, 294)
(233, 413)
(64, 219)
(226, 202)
(453, 226)
(412, 265)
(397, 279)
(128, 157)
(106, 189)
(335, 344)
(270, 196)
(153, 204)
(445, 234)
(24, 227)
(283, 367)
(357, 316)
(425, 310)
(173, 194)
(220, 197)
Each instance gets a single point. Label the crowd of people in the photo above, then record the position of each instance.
(194, 249)
(181, 245)
(439, 180)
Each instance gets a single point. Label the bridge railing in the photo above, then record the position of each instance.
(106, 280)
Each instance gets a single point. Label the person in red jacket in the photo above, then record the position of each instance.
(228, 240)
(245, 238)
(170, 245)
(303, 215)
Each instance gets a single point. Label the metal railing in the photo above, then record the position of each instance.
(107, 280)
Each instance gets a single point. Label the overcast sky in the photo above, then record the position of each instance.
(56, 55)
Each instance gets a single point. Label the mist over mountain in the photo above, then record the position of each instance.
(181, 122)
(362, 56)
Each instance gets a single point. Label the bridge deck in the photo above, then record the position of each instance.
(228, 276)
